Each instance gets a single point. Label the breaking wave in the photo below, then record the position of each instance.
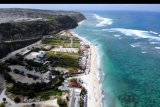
(135, 44)
(137, 33)
(157, 47)
(103, 21)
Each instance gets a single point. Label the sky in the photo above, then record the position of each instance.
(82, 7)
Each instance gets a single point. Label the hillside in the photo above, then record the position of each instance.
(32, 24)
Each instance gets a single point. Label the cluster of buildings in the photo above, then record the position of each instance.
(85, 55)
(74, 93)
(39, 56)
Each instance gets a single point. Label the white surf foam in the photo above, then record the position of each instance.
(81, 22)
(137, 33)
(154, 42)
(153, 32)
(143, 52)
(116, 35)
(103, 21)
(157, 47)
(135, 45)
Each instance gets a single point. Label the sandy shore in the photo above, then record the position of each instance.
(92, 79)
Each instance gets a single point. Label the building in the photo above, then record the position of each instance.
(41, 56)
(83, 62)
(65, 86)
(74, 96)
(73, 85)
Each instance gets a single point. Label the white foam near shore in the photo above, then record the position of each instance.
(153, 32)
(135, 33)
(94, 84)
(103, 21)
(81, 22)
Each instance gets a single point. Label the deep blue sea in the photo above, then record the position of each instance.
(129, 46)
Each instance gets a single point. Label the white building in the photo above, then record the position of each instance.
(74, 96)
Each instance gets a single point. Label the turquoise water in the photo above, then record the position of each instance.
(129, 44)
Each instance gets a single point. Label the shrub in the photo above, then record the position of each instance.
(8, 77)
(83, 91)
(61, 102)
(33, 63)
(17, 100)
(33, 105)
(81, 103)
(73, 80)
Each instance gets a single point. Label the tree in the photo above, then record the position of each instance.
(73, 80)
(81, 103)
(83, 91)
(61, 102)
(17, 100)
(33, 105)
(31, 95)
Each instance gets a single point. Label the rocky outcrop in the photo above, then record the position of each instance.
(18, 25)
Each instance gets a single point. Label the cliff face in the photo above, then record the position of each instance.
(33, 29)
(18, 25)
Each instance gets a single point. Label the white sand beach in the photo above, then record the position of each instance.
(92, 79)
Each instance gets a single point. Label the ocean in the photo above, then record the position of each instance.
(129, 49)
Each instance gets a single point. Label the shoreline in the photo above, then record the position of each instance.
(94, 83)
(93, 79)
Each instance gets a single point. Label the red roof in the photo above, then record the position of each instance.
(73, 84)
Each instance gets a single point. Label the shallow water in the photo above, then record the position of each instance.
(130, 61)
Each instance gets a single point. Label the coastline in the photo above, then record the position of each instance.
(93, 83)
(92, 79)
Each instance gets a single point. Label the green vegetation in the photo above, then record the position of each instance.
(81, 103)
(18, 60)
(69, 61)
(33, 63)
(35, 49)
(2, 105)
(83, 91)
(44, 90)
(4, 68)
(73, 80)
(17, 100)
(46, 95)
(61, 102)
(61, 41)
(8, 77)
